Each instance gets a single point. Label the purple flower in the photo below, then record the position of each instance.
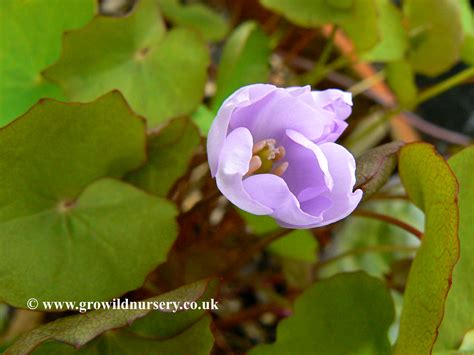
(272, 152)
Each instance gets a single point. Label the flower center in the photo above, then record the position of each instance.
(267, 158)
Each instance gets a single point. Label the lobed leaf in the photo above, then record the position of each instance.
(433, 188)
(358, 17)
(436, 35)
(30, 40)
(467, 19)
(79, 237)
(136, 55)
(394, 39)
(196, 16)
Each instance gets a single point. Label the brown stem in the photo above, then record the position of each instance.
(390, 220)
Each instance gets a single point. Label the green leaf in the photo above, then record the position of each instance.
(135, 55)
(347, 314)
(375, 167)
(167, 324)
(401, 78)
(436, 35)
(359, 20)
(169, 152)
(298, 244)
(30, 40)
(80, 329)
(459, 311)
(198, 337)
(467, 18)
(394, 39)
(341, 4)
(78, 238)
(258, 224)
(244, 61)
(196, 16)
(4, 310)
(467, 53)
(432, 187)
(203, 118)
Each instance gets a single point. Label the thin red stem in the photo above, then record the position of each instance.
(390, 220)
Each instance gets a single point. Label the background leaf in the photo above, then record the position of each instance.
(244, 61)
(196, 16)
(90, 239)
(30, 40)
(459, 312)
(346, 314)
(394, 39)
(137, 56)
(467, 19)
(358, 19)
(203, 118)
(298, 244)
(169, 152)
(401, 78)
(432, 187)
(436, 34)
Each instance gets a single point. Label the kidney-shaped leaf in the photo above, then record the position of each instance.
(349, 313)
(30, 40)
(161, 74)
(467, 19)
(196, 16)
(432, 187)
(436, 34)
(64, 234)
(358, 17)
(394, 39)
